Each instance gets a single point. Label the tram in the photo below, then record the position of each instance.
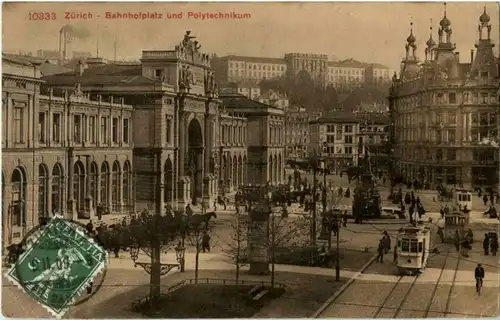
(413, 246)
(463, 198)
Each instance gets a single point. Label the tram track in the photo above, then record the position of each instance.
(436, 286)
(390, 294)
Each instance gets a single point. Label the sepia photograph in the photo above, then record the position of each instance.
(250, 160)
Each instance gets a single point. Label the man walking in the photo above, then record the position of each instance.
(380, 250)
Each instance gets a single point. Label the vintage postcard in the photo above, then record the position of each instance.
(238, 160)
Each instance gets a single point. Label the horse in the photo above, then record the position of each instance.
(200, 219)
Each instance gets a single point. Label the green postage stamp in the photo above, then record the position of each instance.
(59, 262)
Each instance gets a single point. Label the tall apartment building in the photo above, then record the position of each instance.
(443, 109)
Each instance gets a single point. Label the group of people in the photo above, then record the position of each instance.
(384, 246)
(490, 244)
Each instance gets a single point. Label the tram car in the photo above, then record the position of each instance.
(413, 246)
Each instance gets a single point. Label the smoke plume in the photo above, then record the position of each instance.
(74, 33)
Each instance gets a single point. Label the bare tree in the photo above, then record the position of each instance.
(236, 246)
(194, 234)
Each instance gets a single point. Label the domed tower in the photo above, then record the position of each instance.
(484, 65)
(445, 56)
(431, 45)
(409, 65)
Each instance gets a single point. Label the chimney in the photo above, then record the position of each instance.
(80, 68)
(472, 56)
(60, 60)
(457, 55)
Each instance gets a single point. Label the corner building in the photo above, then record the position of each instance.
(443, 109)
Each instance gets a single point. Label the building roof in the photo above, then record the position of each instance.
(239, 101)
(254, 59)
(351, 63)
(338, 117)
(272, 94)
(46, 67)
(102, 75)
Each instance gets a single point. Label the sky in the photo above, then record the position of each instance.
(368, 32)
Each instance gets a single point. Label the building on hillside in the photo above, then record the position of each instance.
(296, 132)
(335, 138)
(265, 139)
(62, 152)
(350, 74)
(346, 74)
(240, 68)
(249, 89)
(442, 110)
(275, 99)
(315, 64)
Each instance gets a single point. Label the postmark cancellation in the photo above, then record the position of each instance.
(59, 262)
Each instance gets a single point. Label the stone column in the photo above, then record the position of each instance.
(89, 208)
(207, 139)
(258, 249)
(183, 184)
(109, 205)
(70, 209)
(120, 192)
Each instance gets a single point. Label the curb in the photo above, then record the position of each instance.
(343, 288)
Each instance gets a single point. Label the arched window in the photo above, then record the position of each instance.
(43, 191)
(168, 181)
(115, 186)
(79, 186)
(127, 178)
(94, 187)
(57, 189)
(18, 204)
(104, 184)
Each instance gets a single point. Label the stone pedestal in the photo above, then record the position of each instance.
(258, 244)
(89, 209)
(183, 189)
(71, 210)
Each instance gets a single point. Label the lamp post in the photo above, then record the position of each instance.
(149, 239)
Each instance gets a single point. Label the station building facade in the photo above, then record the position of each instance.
(103, 134)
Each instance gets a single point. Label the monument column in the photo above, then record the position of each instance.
(258, 249)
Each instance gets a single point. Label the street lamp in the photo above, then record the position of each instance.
(164, 267)
(180, 251)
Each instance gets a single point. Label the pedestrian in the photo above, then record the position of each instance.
(441, 234)
(457, 240)
(387, 242)
(380, 250)
(441, 211)
(189, 211)
(395, 257)
(494, 245)
(486, 244)
(205, 242)
(485, 199)
(465, 247)
(90, 227)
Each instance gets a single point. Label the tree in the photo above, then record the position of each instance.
(238, 243)
(282, 231)
(194, 233)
